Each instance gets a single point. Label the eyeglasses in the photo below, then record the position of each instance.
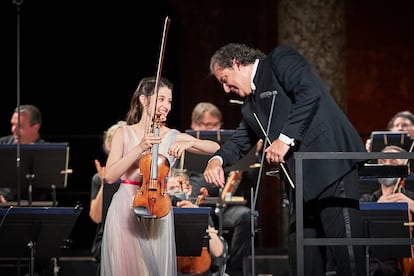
(391, 161)
(211, 125)
(402, 125)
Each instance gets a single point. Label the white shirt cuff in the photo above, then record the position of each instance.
(217, 157)
(287, 140)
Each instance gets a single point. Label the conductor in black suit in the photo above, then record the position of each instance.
(305, 118)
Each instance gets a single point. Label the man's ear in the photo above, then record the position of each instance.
(194, 126)
(36, 127)
(236, 62)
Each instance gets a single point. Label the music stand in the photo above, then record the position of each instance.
(220, 136)
(386, 220)
(35, 231)
(43, 165)
(191, 226)
(381, 139)
(197, 162)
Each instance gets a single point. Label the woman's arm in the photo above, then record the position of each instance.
(185, 141)
(95, 211)
(117, 163)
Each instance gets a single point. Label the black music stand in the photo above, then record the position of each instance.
(386, 220)
(35, 231)
(220, 136)
(42, 165)
(191, 226)
(381, 139)
(197, 162)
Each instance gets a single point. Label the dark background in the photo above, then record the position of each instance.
(80, 62)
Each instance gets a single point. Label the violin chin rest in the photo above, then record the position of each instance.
(143, 212)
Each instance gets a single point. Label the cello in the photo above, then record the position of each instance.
(232, 183)
(152, 199)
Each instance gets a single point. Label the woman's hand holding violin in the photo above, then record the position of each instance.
(148, 141)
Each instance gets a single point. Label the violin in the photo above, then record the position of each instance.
(152, 199)
(196, 264)
(232, 183)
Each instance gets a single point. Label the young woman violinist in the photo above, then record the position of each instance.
(133, 245)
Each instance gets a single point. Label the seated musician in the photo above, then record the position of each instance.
(180, 189)
(391, 190)
(237, 218)
(401, 121)
(30, 122)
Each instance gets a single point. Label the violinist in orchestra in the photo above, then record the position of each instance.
(133, 244)
(288, 106)
(391, 190)
(207, 116)
(180, 189)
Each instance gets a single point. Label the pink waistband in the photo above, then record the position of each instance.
(131, 182)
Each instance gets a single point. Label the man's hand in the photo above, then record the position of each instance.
(100, 169)
(398, 197)
(276, 152)
(2, 199)
(186, 204)
(214, 173)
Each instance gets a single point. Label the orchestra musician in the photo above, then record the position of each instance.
(389, 193)
(401, 121)
(180, 189)
(133, 245)
(30, 122)
(207, 116)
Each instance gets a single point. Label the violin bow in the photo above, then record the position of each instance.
(159, 67)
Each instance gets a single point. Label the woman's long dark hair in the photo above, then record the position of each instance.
(145, 87)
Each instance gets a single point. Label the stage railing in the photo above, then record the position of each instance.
(301, 241)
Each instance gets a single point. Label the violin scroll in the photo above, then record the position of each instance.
(232, 183)
(201, 196)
